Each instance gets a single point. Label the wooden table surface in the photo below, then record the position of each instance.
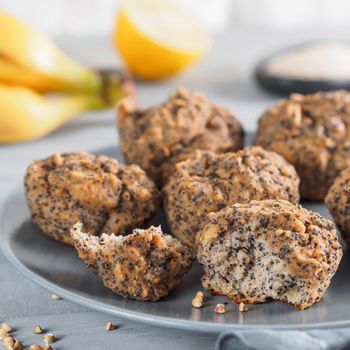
(225, 75)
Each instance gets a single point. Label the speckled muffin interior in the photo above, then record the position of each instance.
(312, 132)
(144, 265)
(159, 137)
(338, 203)
(208, 182)
(98, 191)
(268, 249)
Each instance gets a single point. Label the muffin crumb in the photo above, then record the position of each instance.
(6, 327)
(198, 300)
(220, 308)
(49, 338)
(37, 330)
(243, 307)
(55, 297)
(109, 326)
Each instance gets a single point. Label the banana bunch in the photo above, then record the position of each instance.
(41, 88)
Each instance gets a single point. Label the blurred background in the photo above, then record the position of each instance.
(95, 17)
(244, 32)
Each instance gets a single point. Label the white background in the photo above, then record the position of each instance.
(97, 17)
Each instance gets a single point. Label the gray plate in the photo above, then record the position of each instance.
(58, 268)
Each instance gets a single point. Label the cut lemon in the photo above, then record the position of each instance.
(157, 40)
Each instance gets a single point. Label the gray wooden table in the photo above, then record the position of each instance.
(225, 75)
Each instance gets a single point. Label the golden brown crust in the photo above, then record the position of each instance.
(269, 249)
(208, 182)
(144, 265)
(312, 132)
(338, 203)
(159, 137)
(104, 195)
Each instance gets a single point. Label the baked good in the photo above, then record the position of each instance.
(208, 182)
(144, 265)
(269, 249)
(159, 137)
(338, 203)
(312, 132)
(98, 191)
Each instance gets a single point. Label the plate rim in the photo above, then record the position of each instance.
(162, 321)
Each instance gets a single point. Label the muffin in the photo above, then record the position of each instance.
(159, 137)
(208, 182)
(338, 203)
(269, 249)
(312, 132)
(144, 265)
(104, 195)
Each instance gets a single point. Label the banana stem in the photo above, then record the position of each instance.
(115, 85)
(109, 85)
(112, 85)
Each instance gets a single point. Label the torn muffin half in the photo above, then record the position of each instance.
(269, 249)
(145, 265)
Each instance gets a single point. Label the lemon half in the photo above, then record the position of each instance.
(157, 39)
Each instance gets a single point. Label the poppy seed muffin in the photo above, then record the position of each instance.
(98, 191)
(159, 137)
(268, 249)
(144, 265)
(208, 182)
(338, 203)
(312, 132)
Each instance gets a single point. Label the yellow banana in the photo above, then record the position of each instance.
(47, 67)
(27, 115)
(12, 74)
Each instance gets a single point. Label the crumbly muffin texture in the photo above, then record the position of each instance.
(338, 203)
(208, 182)
(312, 132)
(144, 265)
(159, 137)
(269, 249)
(98, 191)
